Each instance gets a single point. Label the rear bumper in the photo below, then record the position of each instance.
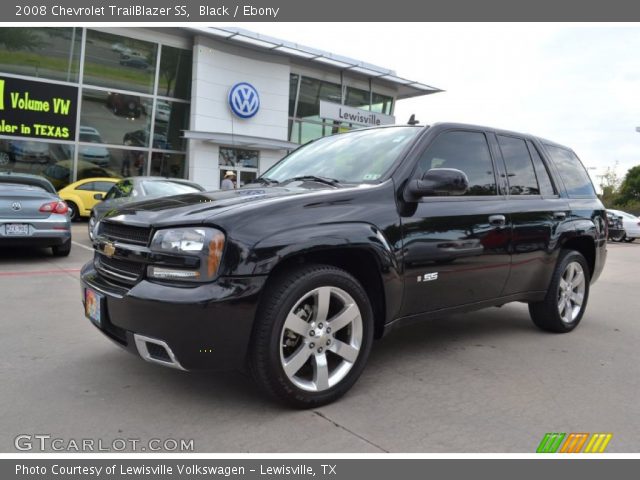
(207, 327)
(54, 230)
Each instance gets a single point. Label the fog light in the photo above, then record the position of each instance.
(172, 273)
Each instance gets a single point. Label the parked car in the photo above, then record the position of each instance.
(135, 188)
(32, 214)
(135, 62)
(629, 229)
(296, 274)
(29, 151)
(163, 111)
(124, 105)
(97, 154)
(59, 174)
(80, 196)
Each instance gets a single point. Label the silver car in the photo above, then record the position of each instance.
(32, 214)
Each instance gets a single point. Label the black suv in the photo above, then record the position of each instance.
(344, 239)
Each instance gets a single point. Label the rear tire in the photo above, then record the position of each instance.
(74, 213)
(312, 337)
(62, 250)
(567, 296)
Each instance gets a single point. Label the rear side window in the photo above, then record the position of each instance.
(520, 172)
(465, 151)
(544, 180)
(572, 172)
(87, 186)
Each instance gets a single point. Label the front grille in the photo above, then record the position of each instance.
(125, 233)
(123, 271)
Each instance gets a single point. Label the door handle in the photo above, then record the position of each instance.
(497, 220)
(559, 215)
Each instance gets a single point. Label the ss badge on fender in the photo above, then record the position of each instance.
(428, 277)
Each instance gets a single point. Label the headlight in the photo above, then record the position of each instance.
(205, 243)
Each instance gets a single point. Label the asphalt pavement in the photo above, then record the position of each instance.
(481, 382)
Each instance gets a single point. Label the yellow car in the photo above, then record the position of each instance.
(80, 196)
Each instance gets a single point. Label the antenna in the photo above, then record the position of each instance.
(412, 120)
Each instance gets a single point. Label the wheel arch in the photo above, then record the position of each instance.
(585, 245)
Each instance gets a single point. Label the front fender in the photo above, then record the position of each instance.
(314, 239)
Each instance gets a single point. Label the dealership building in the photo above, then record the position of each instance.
(192, 102)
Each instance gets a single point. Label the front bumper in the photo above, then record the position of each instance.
(207, 327)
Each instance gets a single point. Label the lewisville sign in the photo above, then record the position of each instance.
(37, 109)
(343, 113)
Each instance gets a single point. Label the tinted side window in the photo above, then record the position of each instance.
(90, 186)
(573, 173)
(544, 180)
(522, 177)
(466, 151)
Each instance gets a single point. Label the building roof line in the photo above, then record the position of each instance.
(246, 38)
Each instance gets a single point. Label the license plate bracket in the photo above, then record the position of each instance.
(16, 229)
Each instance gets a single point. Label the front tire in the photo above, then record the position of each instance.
(629, 240)
(312, 337)
(567, 296)
(619, 237)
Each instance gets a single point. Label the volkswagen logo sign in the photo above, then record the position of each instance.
(244, 100)
(16, 206)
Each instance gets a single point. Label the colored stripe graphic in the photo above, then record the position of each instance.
(598, 443)
(573, 443)
(550, 442)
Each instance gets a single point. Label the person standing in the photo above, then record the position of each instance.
(229, 182)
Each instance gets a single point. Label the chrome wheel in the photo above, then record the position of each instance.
(321, 339)
(571, 292)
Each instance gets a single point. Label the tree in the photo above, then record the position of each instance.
(609, 184)
(19, 39)
(629, 193)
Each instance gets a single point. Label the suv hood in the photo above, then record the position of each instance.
(195, 208)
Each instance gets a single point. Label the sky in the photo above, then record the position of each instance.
(578, 85)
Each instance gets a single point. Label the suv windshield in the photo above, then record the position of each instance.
(354, 157)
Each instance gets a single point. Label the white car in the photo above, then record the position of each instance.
(631, 225)
(94, 153)
(163, 112)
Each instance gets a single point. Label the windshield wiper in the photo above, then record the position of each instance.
(314, 178)
(267, 181)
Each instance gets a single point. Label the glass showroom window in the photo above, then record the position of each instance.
(175, 73)
(49, 53)
(118, 62)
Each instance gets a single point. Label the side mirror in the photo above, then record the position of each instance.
(98, 196)
(438, 181)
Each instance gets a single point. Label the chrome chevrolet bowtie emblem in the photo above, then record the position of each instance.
(109, 249)
(16, 206)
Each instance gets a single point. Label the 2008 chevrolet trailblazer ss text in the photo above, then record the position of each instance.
(342, 240)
